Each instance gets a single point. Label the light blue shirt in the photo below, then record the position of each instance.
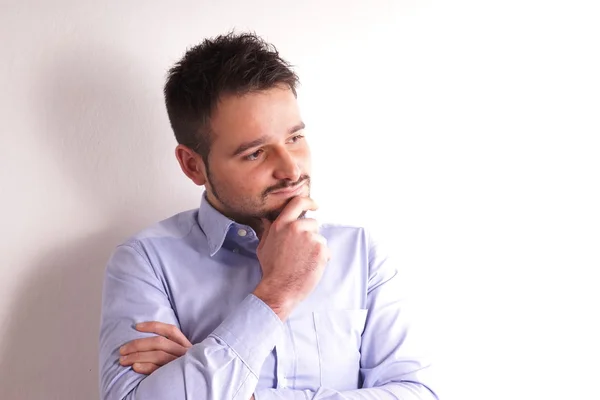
(348, 340)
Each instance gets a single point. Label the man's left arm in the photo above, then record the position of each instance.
(390, 364)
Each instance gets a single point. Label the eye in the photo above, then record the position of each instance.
(296, 138)
(254, 156)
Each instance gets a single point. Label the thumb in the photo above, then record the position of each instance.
(266, 225)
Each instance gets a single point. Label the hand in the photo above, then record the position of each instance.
(148, 354)
(292, 256)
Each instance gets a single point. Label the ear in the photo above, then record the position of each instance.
(191, 164)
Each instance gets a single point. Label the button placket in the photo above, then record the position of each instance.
(285, 355)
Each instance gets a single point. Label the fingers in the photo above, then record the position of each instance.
(155, 357)
(321, 239)
(310, 227)
(324, 251)
(327, 251)
(146, 355)
(145, 368)
(306, 224)
(295, 208)
(155, 343)
(169, 331)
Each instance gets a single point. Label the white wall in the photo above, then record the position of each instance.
(464, 132)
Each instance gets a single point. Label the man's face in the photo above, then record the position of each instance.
(259, 158)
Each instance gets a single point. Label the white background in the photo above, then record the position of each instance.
(464, 133)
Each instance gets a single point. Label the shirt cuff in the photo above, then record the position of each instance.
(251, 331)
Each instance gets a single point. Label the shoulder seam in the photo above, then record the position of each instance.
(137, 242)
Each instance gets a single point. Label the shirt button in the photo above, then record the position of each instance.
(242, 232)
(236, 250)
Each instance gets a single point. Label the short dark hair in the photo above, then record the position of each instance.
(224, 65)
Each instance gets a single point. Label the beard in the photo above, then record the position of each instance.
(246, 209)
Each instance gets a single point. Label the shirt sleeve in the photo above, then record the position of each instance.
(225, 365)
(392, 364)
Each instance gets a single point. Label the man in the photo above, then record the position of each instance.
(246, 297)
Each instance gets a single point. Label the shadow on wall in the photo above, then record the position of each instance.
(91, 102)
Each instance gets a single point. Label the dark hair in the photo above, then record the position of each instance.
(227, 64)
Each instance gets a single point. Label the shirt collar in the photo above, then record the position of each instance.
(214, 225)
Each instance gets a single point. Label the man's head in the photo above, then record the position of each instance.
(232, 104)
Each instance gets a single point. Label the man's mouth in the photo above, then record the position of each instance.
(290, 191)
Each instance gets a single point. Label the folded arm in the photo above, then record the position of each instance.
(223, 366)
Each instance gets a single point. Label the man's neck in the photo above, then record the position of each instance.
(254, 223)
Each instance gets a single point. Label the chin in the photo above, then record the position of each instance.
(273, 213)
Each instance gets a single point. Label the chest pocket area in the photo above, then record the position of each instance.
(332, 357)
(339, 337)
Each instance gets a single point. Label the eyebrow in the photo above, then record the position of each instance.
(261, 140)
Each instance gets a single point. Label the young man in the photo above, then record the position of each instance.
(246, 297)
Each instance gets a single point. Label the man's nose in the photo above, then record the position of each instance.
(286, 168)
